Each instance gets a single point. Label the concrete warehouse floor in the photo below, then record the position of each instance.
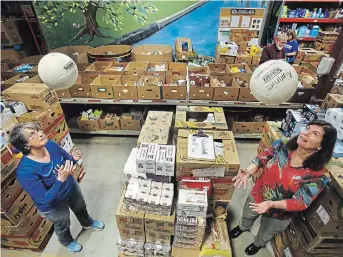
(104, 159)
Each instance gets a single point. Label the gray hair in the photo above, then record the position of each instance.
(282, 36)
(19, 139)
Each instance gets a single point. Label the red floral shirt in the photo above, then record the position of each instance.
(280, 181)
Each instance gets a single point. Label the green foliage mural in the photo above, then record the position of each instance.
(98, 22)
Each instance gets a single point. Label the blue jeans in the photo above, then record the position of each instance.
(60, 216)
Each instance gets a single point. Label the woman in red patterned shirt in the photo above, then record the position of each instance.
(293, 176)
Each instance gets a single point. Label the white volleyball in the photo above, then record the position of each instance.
(274, 82)
(57, 71)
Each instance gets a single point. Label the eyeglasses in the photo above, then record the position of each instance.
(34, 134)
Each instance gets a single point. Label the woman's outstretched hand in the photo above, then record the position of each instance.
(261, 208)
(241, 178)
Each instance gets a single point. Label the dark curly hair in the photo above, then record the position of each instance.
(318, 160)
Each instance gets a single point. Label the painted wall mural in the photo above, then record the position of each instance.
(99, 22)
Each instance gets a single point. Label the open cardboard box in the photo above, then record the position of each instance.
(184, 49)
(177, 68)
(199, 113)
(111, 69)
(245, 94)
(88, 125)
(200, 93)
(228, 164)
(243, 58)
(13, 80)
(151, 87)
(127, 89)
(217, 69)
(224, 58)
(228, 93)
(129, 122)
(136, 68)
(151, 65)
(139, 53)
(102, 86)
(201, 78)
(302, 95)
(97, 67)
(82, 87)
(170, 90)
(239, 66)
(306, 74)
(333, 101)
(77, 53)
(112, 123)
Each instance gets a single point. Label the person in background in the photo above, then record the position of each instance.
(293, 176)
(276, 50)
(45, 173)
(291, 47)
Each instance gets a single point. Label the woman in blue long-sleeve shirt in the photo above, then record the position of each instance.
(45, 173)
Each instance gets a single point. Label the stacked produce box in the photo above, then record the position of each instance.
(21, 224)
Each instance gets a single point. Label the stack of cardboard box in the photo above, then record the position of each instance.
(21, 224)
(309, 55)
(315, 231)
(325, 40)
(271, 133)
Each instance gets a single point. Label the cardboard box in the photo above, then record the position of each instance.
(200, 113)
(79, 54)
(187, 167)
(224, 58)
(82, 87)
(88, 125)
(10, 191)
(152, 53)
(109, 124)
(66, 143)
(304, 73)
(59, 131)
(126, 217)
(129, 122)
(151, 66)
(136, 68)
(182, 252)
(17, 210)
(126, 234)
(222, 189)
(160, 224)
(102, 86)
(246, 74)
(271, 133)
(127, 90)
(153, 237)
(308, 55)
(172, 89)
(34, 96)
(8, 121)
(177, 68)
(63, 93)
(245, 94)
(165, 160)
(322, 46)
(243, 58)
(218, 207)
(115, 68)
(160, 117)
(46, 119)
(332, 101)
(304, 94)
(14, 80)
(228, 93)
(150, 137)
(184, 49)
(217, 69)
(192, 203)
(151, 87)
(33, 242)
(327, 36)
(25, 228)
(256, 60)
(248, 127)
(97, 67)
(8, 163)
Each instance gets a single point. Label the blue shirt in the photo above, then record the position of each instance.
(290, 47)
(39, 180)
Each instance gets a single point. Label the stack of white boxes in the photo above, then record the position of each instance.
(157, 159)
(149, 196)
(191, 219)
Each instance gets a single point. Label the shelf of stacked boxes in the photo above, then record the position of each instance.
(22, 227)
